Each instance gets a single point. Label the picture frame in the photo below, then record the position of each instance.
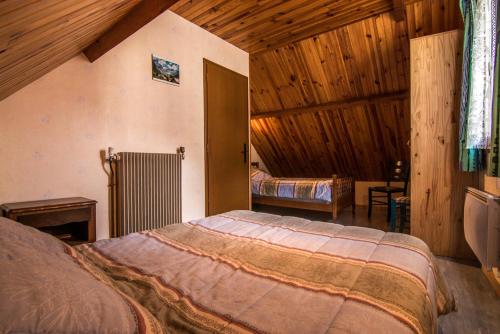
(165, 71)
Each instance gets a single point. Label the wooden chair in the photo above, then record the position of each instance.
(399, 172)
(403, 204)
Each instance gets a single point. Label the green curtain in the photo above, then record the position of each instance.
(494, 154)
(470, 158)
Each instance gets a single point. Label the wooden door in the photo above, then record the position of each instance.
(226, 140)
(437, 184)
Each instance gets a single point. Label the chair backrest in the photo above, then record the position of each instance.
(399, 171)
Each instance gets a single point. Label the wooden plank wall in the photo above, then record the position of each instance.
(367, 58)
(437, 189)
(256, 25)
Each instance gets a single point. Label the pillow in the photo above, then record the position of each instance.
(46, 286)
(259, 175)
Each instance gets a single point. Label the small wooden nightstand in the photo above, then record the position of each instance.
(70, 219)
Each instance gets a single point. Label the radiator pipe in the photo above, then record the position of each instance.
(111, 159)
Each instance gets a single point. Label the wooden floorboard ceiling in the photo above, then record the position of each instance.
(257, 26)
(38, 36)
(328, 78)
(366, 59)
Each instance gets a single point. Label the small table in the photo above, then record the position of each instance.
(70, 219)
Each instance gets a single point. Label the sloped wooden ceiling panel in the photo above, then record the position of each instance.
(260, 25)
(367, 58)
(38, 36)
(337, 141)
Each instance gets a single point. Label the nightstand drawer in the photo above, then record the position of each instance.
(69, 219)
(55, 218)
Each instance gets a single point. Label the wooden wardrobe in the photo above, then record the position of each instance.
(437, 185)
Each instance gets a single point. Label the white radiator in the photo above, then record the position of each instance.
(482, 226)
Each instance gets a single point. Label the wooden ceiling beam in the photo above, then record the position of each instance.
(334, 105)
(139, 16)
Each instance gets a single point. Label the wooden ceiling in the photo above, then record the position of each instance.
(38, 36)
(328, 77)
(369, 58)
(259, 25)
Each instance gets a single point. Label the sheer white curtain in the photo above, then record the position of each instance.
(482, 75)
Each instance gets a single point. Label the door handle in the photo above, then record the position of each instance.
(244, 152)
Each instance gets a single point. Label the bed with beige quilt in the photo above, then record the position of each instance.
(238, 272)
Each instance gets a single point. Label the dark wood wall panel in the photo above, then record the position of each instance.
(366, 58)
(363, 59)
(334, 141)
(260, 25)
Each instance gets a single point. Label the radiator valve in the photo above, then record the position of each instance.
(181, 150)
(112, 156)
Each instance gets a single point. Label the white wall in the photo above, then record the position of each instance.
(51, 131)
(255, 157)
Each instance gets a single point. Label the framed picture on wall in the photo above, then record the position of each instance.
(165, 71)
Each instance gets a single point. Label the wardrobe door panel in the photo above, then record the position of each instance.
(437, 185)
